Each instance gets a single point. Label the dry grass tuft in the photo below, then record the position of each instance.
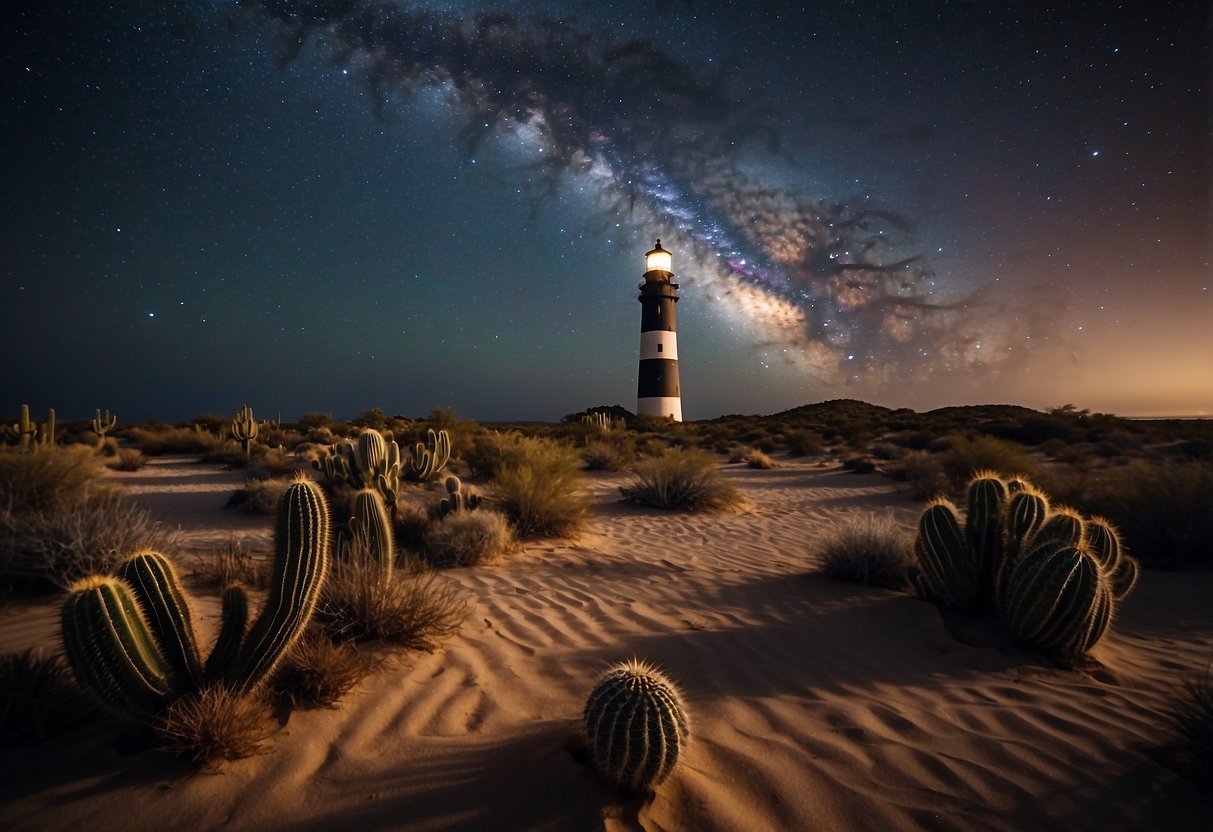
(214, 726)
(416, 609)
(1194, 722)
(871, 550)
(259, 496)
(468, 538)
(758, 459)
(46, 480)
(681, 478)
(318, 673)
(227, 567)
(38, 697)
(541, 493)
(128, 459)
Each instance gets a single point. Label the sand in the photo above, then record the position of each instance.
(815, 704)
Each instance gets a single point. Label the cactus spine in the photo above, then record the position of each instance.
(636, 725)
(102, 425)
(245, 429)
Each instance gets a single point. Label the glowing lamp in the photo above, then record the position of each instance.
(658, 260)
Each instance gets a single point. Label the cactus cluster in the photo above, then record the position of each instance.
(636, 725)
(130, 640)
(369, 462)
(1052, 574)
(102, 425)
(457, 499)
(429, 457)
(245, 429)
(599, 420)
(28, 434)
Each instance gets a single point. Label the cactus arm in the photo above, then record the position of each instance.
(234, 621)
(101, 425)
(301, 556)
(110, 650)
(949, 572)
(157, 589)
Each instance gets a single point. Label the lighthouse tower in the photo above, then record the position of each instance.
(657, 391)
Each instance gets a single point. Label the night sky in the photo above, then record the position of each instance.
(332, 205)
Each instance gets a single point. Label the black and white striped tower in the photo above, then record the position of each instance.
(657, 391)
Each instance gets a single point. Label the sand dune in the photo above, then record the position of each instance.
(815, 705)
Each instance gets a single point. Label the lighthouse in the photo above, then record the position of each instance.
(657, 390)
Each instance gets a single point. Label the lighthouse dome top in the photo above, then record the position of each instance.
(658, 260)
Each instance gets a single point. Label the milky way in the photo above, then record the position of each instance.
(836, 283)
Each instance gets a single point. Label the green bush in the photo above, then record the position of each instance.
(968, 456)
(681, 479)
(1164, 510)
(541, 493)
(871, 550)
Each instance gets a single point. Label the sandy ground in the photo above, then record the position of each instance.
(815, 705)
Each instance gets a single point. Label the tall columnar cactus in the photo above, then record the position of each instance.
(598, 419)
(130, 640)
(984, 529)
(24, 431)
(1058, 600)
(245, 429)
(46, 437)
(951, 575)
(102, 425)
(430, 457)
(301, 561)
(370, 533)
(636, 725)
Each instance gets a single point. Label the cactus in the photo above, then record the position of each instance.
(46, 437)
(950, 576)
(598, 419)
(301, 557)
(371, 462)
(1058, 601)
(245, 429)
(1104, 544)
(457, 499)
(428, 458)
(130, 640)
(1061, 525)
(110, 649)
(984, 529)
(102, 425)
(370, 533)
(636, 725)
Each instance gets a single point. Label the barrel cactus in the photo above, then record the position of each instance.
(950, 575)
(129, 639)
(636, 725)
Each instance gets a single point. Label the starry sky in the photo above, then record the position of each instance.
(332, 205)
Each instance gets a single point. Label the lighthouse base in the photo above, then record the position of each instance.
(669, 406)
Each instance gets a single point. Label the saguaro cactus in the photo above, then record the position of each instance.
(636, 725)
(102, 425)
(245, 429)
(24, 431)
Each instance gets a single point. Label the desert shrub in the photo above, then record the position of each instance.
(415, 609)
(468, 538)
(541, 494)
(38, 697)
(229, 567)
(128, 459)
(493, 449)
(259, 496)
(681, 479)
(49, 549)
(966, 456)
(411, 525)
(1164, 510)
(922, 472)
(318, 672)
(227, 453)
(48, 479)
(757, 459)
(277, 460)
(614, 454)
(213, 726)
(171, 440)
(738, 454)
(872, 550)
(886, 450)
(1194, 723)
